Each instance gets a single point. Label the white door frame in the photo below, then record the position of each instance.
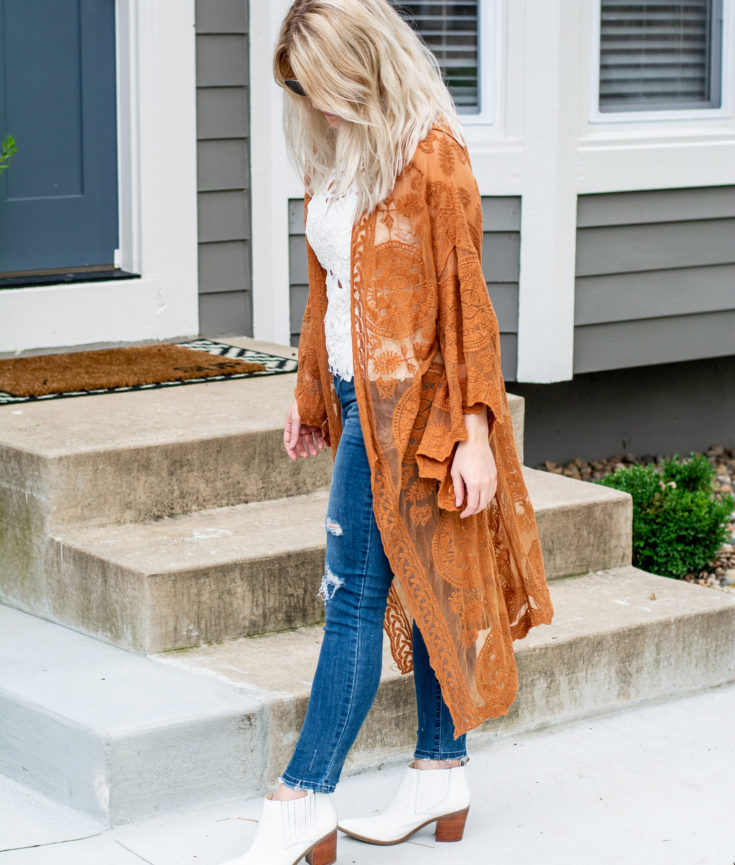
(273, 180)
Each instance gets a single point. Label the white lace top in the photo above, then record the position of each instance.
(329, 232)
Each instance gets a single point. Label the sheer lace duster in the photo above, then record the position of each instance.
(426, 350)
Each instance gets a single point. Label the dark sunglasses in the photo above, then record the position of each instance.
(295, 85)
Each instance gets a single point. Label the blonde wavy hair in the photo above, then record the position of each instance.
(360, 60)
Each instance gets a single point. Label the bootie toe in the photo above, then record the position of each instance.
(289, 830)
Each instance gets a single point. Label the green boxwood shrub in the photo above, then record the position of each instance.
(679, 520)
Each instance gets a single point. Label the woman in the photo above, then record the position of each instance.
(399, 371)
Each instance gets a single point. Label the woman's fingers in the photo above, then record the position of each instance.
(291, 427)
(474, 476)
(479, 494)
(307, 437)
(305, 444)
(290, 435)
(299, 446)
(301, 440)
(458, 483)
(473, 499)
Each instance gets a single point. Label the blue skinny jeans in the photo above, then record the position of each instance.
(355, 591)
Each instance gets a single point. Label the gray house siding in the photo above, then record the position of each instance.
(500, 258)
(655, 277)
(223, 167)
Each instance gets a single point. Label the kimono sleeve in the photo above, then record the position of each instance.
(467, 327)
(308, 392)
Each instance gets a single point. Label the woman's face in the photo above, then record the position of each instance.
(334, 120)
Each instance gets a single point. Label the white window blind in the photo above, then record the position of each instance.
(661, 54)
(451, 30)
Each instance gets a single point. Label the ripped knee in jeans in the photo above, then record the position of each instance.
(332, 526)
(330, 583)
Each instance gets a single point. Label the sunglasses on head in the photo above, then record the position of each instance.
(295, 86)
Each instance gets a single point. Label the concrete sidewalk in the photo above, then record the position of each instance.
(651, 784)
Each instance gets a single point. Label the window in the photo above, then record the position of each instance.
(660, 54)
(451, 29)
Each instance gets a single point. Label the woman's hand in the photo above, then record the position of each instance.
(297, 437)
(473, 467)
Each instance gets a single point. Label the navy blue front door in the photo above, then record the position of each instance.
(58, 198)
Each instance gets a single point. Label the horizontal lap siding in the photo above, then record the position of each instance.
(655, 277)
(223, 167)
(500, 258)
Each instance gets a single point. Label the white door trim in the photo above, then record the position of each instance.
(273, 180)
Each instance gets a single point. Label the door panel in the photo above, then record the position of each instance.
(58, 198)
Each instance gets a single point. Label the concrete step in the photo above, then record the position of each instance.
(187, 580)
(118, 735)
(584, 784)
(130, 457)
(582, 526)
(126, 458)
(247, 569)
(619, 636)
(121, 736)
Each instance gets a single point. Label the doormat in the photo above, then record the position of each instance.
(54, 376)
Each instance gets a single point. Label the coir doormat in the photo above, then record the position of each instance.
(43, 377)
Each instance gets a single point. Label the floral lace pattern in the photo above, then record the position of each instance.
(329, 232)
(426, 347)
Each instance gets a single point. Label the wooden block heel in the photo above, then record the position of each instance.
(451, 827)
(324, 852)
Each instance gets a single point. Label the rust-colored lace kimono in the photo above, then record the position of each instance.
(426, 350)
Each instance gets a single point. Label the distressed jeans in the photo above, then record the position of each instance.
(355, 588)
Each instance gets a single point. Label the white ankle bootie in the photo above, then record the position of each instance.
(424, 795)
(291, 829)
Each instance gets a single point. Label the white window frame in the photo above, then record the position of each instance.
(653, 115)
(489, 50)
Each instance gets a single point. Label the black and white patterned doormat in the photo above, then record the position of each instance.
(274, 365)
